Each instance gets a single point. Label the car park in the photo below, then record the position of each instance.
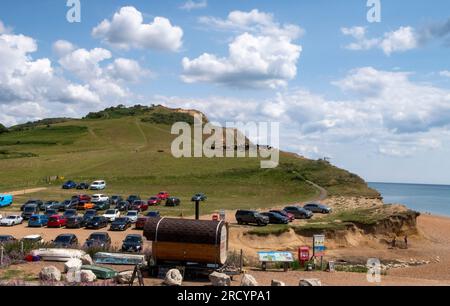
(69, 185)
(133, 198)
(299, 212)
(251, 217)
(276, 218)
(122, 206)
(38, 203)
(102, 205)
(99, 198)
(11, 220)
(6, 200)
(56, 221)
(291, 217)
(199, 197)
(98, 185)
(83, 186)
(116, 199)
(75, 222)
(97, 222)
(153, 201)
(133, 243)
(112, 214)
(65, 241)
(318, 208)
(4, 239)
(139, 205)
(163, 195)
(132, 215)
(172, 202)
(29, 210)
(38, 221)
(120, 224)
(98, 239)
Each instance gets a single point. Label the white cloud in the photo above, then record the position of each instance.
(127, 30)
(126, 70)
(63, 47)
(194, 5)
(445, 73)
(265, 57)
(85, 63)
(401, 40)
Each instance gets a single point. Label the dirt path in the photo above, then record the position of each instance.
(26, 191)
(323, 192)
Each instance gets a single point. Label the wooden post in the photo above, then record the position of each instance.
(197, 210)
(1, 255)
(241, 261)
(21, 247)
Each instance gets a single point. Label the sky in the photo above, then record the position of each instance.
(374, 97)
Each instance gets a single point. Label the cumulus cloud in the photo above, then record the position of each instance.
(194, 5)
(62, 47)
(126, 70)
(445, 73)
(263, 56)
(400, 40)
(127, 30)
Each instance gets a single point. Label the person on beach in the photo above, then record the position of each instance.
(394, 242)
(406, 241)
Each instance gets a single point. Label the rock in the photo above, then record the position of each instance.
(277, 283)
(312, 282)
(124, 278)
(50, 274)
(73, 265)
(173, 278)
(87, 260)
(73, 277)
(249, 281)
(220, 279)
(87, 276)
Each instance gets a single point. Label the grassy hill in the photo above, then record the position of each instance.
(130, 148)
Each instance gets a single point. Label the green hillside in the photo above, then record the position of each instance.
(130, 149)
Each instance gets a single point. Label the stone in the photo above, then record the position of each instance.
(220, 279)
(124, 278)
(72, 265)
(277, 283)
(248, 281)
(87, 260)
(87, 276)
(173, 278)
(311, 282)
(50, 274)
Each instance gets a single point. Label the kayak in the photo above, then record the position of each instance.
(101, 272)
(119, 259)
(57, 255)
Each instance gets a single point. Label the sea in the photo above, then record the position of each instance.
(434, 199)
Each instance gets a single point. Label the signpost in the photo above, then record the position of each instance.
(319, 248)
(275, 257)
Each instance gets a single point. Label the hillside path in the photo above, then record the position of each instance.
(25, 191)
(323, 192)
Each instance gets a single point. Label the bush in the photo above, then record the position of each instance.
(169, 118)
(3, 129)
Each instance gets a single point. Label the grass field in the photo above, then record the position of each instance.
(133, 155)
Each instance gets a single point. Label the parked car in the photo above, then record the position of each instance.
(172, 202)
(120, 224)
(98, 185)
(299, 212)
(86, 205)
(51, 205)
(11, 220)
(139, 205)
(69, 185)
(70, 213)
(291, 217)
(318, 208)
(251, 217)
(122, 206)
(6, 200)
(116, 199)
(102, 205)
(133, 243)
(133, 198)
(112, 214)
(88, 215)
(38, 221)
(4, 239)
(83, 186)
(132, 215)
(68, 204)
(84, 198)
(153, 201)
(199, 197)
(56, 221)
(276, 218)
(98, 239)
(29, 210)
(97, 222)
(33, 240)
(75, 222)
(51, 212)
(38, 203)
(141, 221)
(163, 195)
(99, 198)
(65, 241)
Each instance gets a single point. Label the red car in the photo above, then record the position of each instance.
(57, 221)
(139, 206)
(163, 195)
(153, 201)
(140, 223)
(84, 198)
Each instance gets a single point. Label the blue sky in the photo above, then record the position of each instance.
(375, 97)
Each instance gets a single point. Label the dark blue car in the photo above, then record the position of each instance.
(69, 185)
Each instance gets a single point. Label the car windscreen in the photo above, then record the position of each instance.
(30, 209)
(34, 218)
(121, 220)
(11, 218)
(63, 239)
(53, 219)
(5, 238)
(96, 219)
(132, 213)
(97, 237)
(110, 212)
(133, 239)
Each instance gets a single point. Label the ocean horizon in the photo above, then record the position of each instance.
(424, 198)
